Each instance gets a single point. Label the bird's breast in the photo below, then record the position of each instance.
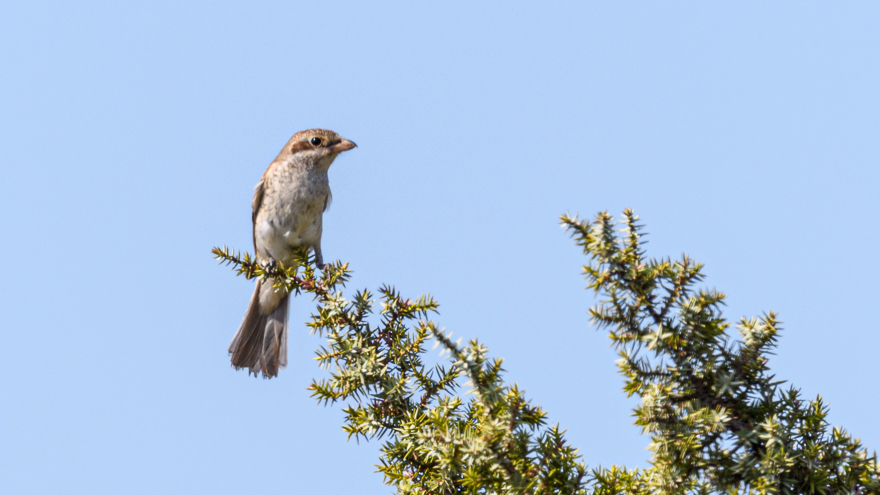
(291, 212)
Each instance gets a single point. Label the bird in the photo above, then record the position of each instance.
(288, 207)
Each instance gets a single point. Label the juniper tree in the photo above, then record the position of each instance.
(718, 420)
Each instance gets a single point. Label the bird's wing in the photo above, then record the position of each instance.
(327, 200)
(258, 200)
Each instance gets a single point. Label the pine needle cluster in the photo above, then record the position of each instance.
(436, 441)
(719, 421)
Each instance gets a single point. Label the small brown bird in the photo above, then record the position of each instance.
(288, 206)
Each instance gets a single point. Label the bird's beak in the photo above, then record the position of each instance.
(343, 145)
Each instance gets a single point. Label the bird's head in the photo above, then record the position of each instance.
(317, 147)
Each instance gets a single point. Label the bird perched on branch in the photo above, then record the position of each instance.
(288, 205)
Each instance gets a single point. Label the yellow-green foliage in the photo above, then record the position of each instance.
(718, 421)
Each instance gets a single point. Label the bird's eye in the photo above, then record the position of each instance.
(316, 141)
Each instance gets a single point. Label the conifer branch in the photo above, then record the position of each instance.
(718, 420)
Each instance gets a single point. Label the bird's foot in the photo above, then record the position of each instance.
(270, 266)
(319, 262)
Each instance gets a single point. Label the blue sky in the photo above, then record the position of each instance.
(132, 135)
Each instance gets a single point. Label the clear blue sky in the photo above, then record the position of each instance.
(132, 134)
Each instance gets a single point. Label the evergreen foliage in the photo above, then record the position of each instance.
(719, 422)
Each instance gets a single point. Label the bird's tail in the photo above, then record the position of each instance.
(260, 344)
